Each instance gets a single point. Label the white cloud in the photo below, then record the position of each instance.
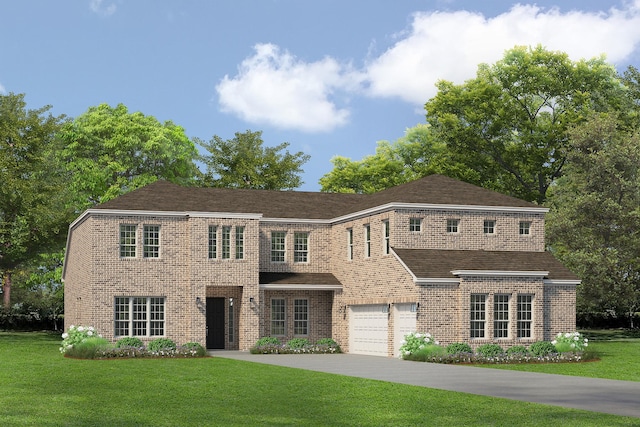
(276, 88)
(98, 7)
(2, 89)
(450, 45)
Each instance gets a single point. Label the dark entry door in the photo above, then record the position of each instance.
(215, 323)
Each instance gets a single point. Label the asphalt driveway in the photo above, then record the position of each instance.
(592, 394)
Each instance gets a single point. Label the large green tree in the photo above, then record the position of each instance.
(33, 204)
(594, 223)
(243, 162)
(110, 151)
(511, 120)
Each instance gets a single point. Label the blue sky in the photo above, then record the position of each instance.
(330, 77)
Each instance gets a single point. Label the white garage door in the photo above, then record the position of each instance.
(404, 322)
(368, 329)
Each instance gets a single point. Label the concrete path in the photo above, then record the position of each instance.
(592, 394)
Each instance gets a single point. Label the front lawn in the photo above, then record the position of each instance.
(39, 387)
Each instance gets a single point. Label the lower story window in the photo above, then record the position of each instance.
(478, 315)
(277, 316)
(501, 316)
(525, 315)
(301, 317)
(139, 316)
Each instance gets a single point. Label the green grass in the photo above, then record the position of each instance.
(39, 387)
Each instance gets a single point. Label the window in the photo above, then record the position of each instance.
(525, 228)
(525, 312)
(151, 246)
(128, 240)
(501, 316)
(452, 225)
(231, 323)
(489, 226)
(277, 317)
(277, 246)
(367, 240)
(301, 247)
(213, 242)
(350, 243)
(387, 237)
(301, 317)
(239, 242)
(139, 316)
(415, 225)
(478, 315)
(226, 242)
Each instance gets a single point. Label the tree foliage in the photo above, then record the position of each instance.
(594, 223)
(510, 122)
(33, 214)
(243, 162)
(110, 151)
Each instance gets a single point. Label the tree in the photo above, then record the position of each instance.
(511, 121)
(418, 153)
(594, 223)
(243, 162)
(33, 213)
(110, 151)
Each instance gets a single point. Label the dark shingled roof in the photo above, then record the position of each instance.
(433, 189)
(435, 263)
(298, 279)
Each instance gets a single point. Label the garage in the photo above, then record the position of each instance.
(369, 329)
(404, 322)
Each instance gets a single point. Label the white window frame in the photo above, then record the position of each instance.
(350, 244)
(386, 237)
(367, 240)
(301, 247)
(278, 316)
(139, 316)
(415, 225)
(239, 242)
(151, 241)
(278, 247)
(478, 316)
(524, 323)
(213, 242)
(501, 303)
(301, 317)
(226, 242)
(128, 244)
(453, 226)
(489, 226)
(524, 228)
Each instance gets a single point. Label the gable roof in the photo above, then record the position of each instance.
(436, 263)
(431, 190)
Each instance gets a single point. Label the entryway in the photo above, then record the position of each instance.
(215, 323)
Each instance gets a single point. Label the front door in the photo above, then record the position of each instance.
(215, 323)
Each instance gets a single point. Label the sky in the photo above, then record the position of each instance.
(330, 77)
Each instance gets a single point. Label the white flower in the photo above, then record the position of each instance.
(567, 335)
(80, 328)
(89, 332)
(576, 338)
(586, 345)
(554, 342)
(65, 336)
(586, 340)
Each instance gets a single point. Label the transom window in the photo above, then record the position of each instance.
(139, 316)
(213, 242)
(452, 225)
(128, 240)
(226, 242)
(239, 242)
(500, 316)
(277, 316)
(387, 237)
(415, 225)
(151, 246)
(277, 246)
(301, 317)
(525, 228)
(489, 226)
(367, 240)
(525, 316)
(301, 247)
(478, 315)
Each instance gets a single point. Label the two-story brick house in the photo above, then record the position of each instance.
(224, 267)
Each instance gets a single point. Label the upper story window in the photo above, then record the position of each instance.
(239, 242)
(277, 246)
(367, 240)
(128, 240)
(213, 242)
(151, 246)
(386, 237)
(415, 225)
(226, 242)
(301, 247)
(350, 243)
(525, 228)
(489, 226)
(452, 225)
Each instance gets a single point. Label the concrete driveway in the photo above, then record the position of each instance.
(591, 394)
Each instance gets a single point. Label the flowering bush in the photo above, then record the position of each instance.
(272, 345)
(416, 342)
(76, 335)
(570, 341)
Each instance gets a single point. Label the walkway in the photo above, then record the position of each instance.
(592, 394)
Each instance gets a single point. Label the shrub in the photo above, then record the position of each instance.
(267, 341)
(298, 343)
(490, 350)
(75, 336)
(517, 350)
(160, 344)
(416, 341)
(459, 347)
(327, 341)
(195, 348)
(428, 353)
(542, 348)
(89, 348)
(570, 341)
(327, 345)
(129, 342)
